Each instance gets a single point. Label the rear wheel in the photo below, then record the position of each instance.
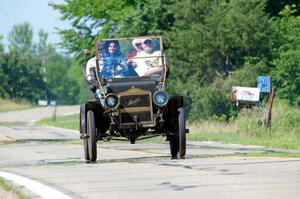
(83, 133)
(178, 140)
(91, 143)
(181, 132)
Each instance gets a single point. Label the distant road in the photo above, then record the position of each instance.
(30, 115)
(48, 158)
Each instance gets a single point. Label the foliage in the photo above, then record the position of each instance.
(274, 7)
(24, 78)
(36, 71)
(13, 190)
(90, 19)
(20, 38)
(287, 71)
(13, 105)
(3, 77)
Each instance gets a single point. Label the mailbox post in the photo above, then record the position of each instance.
(54, 103)
(249, 96)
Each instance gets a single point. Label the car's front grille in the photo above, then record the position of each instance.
(132, 101)
(136, 104)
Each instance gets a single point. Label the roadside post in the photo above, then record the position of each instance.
(54, 103)
(264, 83)
(250, 96)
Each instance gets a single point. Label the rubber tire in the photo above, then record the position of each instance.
(86, 150)
(83, 131)
(92, 138)
(182, 133)
(174, 146)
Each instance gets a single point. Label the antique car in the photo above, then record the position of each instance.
(130, 100)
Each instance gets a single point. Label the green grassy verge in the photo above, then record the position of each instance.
(9, 187)
(67, 122)
(11, 123)
(247, 128)
(13, 105)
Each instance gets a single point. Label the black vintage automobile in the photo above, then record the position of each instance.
(130, 98)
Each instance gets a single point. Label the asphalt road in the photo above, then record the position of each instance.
(54, 157)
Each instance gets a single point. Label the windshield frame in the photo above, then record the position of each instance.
(99, 42)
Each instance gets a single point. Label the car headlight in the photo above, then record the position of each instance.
(111, 101)
(160, 98)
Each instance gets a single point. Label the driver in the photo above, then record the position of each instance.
(112, 63)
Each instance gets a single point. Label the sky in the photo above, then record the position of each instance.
(36, 12)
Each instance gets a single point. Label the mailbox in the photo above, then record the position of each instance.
(244, 95)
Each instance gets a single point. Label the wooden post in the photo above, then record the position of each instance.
(270, 105)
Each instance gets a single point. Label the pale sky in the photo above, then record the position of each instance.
(36, 12)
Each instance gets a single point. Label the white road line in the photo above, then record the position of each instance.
(34, 186)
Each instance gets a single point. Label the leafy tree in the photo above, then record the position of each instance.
(90, 19)
(149, 17)
(287, 64)
(211, 45)
(20, 38)
(24, 77)
(3, 76)
(1, 45)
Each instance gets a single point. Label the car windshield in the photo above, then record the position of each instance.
(130, 57)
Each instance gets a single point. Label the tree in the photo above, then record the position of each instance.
(287, 63)
(24, 76)
(90, 19)
(205, 42)
(20, 38)
(3, 76)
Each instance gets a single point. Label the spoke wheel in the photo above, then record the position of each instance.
(92, 138)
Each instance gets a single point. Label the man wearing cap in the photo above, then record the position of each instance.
(137, 44)
(149, 62)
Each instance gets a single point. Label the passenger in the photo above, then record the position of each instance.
(90, 72)
(149, 62)
(131, 61)
(112, 63)
(137, 45)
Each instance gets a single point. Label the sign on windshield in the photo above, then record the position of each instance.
(130, 57)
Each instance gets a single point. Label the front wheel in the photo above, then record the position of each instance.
(86, 150)
(92, 137)
(174, 146)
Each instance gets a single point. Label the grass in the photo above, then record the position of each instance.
(284, 134)
(285, 131)
(9, 187)
(13, 105)
(67, 122)
(11, 123)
